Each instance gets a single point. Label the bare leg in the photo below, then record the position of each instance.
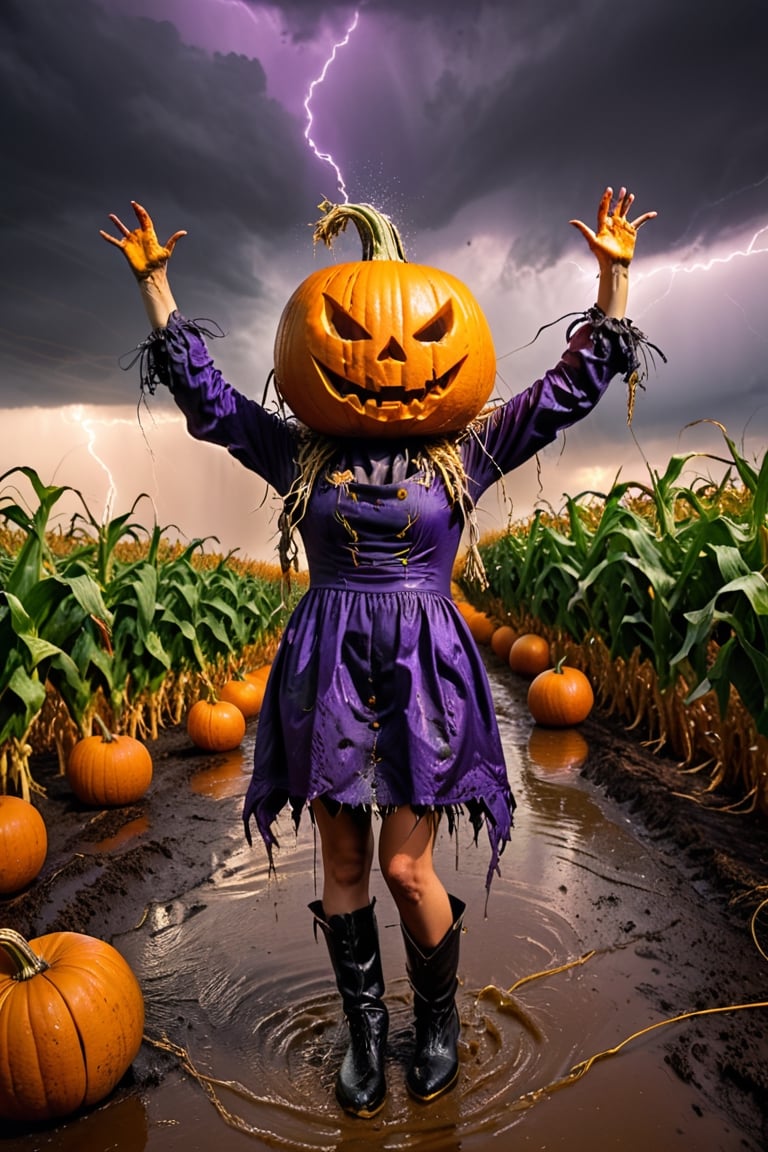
(347, 849)
(405, 854)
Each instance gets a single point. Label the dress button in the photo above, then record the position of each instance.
(402, 493)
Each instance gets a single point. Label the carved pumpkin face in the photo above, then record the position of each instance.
(383, 348)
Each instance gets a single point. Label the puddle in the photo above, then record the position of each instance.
(232, 974)
(129, 832)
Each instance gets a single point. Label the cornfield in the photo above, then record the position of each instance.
(110, 618)
(658, 592)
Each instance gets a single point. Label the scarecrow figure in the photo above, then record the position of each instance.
(378, 702)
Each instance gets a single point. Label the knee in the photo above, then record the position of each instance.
(346, 868)
(404, 877)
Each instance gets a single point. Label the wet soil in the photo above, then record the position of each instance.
(106, 868)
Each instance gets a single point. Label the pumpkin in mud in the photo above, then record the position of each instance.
(215, 725)
(529, 655)
(244, 694)
(380, 347)
(481, 627)
(23, 844)
(502, 640)
(71, 1023)
(109, 770)
(560, 697)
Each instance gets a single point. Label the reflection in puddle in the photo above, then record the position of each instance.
(228, 776)
(125, 835)
(556, 751)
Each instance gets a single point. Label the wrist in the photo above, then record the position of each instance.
(613, 288)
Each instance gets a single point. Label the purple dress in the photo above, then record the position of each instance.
(378, 696)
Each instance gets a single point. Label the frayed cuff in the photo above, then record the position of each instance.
(609, 332)
(152, 354)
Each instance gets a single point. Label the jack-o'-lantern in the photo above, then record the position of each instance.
(380, 347)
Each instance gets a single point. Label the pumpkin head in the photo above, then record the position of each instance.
(380, 347)
(71, 1022)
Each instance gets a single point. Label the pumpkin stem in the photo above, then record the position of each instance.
(106, 735)
(379, 236)
(25, 962)
(559, 666)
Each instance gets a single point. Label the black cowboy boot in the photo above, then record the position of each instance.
(353, 945)
(435, 1065)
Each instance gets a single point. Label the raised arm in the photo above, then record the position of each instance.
(148, 260)
(614, 246)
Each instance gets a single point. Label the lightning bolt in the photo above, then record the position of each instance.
(326, 156)
(673, 270)
(78, 415)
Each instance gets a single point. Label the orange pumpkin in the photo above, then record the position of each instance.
(481, 627)
(502, 640)
(109, 770)
(23, 844)
(380, 347)
(560, 697)
(215, 725)
(245, 694)
(529, 654)
(71, 1023)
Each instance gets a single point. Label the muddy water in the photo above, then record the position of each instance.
(232, 974)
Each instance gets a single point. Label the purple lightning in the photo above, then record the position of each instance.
(326, 156)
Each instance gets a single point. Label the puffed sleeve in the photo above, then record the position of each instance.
(178, 357)
(599, 348)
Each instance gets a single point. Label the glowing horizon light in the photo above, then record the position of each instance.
(326, 157)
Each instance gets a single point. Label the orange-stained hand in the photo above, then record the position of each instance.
(141, 247)
(614, 240)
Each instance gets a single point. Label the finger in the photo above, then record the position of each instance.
(623, 202)
(646, 216)
(119, 224)
(586, 232)
(171, 244)
(604, 206)
(111, 239)
(142, 215)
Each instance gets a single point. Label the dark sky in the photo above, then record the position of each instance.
(482, 128)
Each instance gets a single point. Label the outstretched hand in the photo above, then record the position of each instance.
(141, 247)
(614, 240)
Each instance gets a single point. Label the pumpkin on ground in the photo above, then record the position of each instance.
(215, 725)
(481, 627)
(247, 695)
(560, 697)
(529, 655)
(23, 844)
(109, 770)
(71, 1023)
(381, 347)
(502, 640)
